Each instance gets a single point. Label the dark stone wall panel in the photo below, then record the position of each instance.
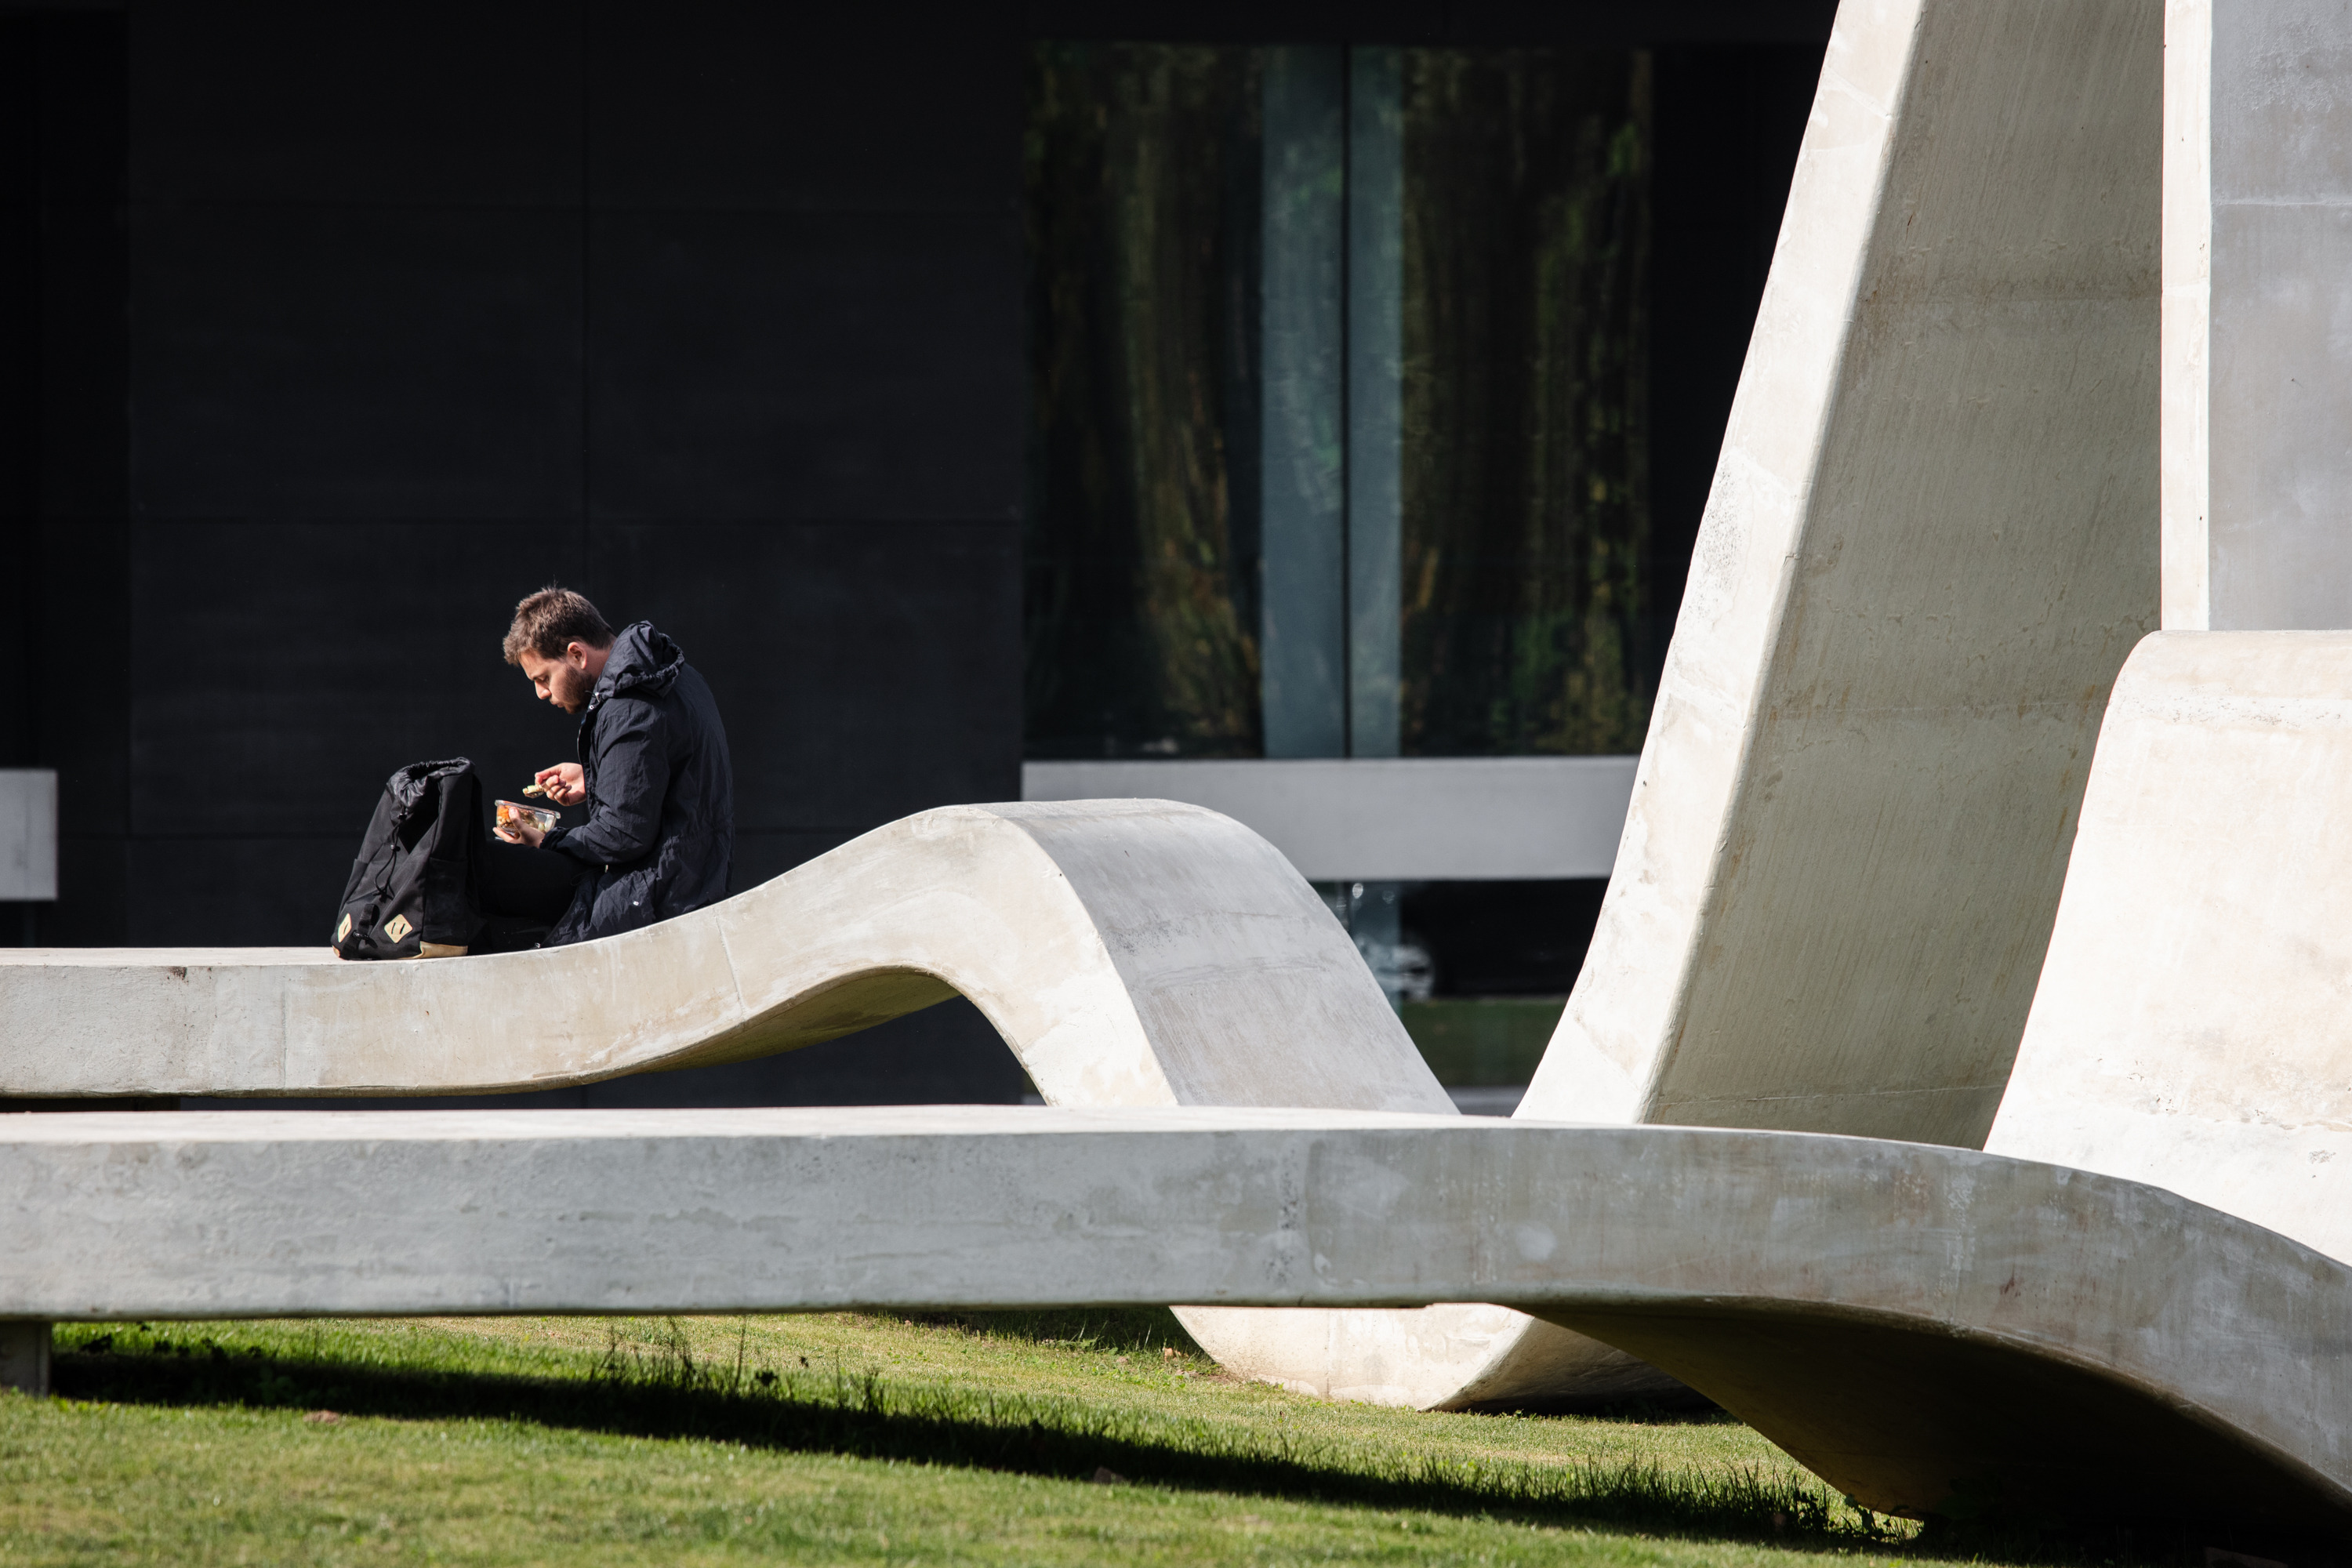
(83, 340)
(355, 362)
(865, 670)
(287, 101)
(235, 892)
(93, 893)
(776, 365)
(283, 670)
(20, 383)
(64, 553)
(81, 693)
(763, 854)
(706, 103)
(1606, 23)
(946, 1054)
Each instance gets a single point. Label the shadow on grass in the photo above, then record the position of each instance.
(663, 1391)
(1150, 1330)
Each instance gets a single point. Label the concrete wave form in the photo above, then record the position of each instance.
(1130, 953)
(1925, 553)
(1882, 625)
(1925, 557)
(2192, 1029)
(1933, 1331)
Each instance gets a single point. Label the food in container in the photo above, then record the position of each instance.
(514, 814)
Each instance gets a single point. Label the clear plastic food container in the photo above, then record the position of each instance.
(514, 814)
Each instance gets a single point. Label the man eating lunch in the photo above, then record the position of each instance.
(653, 770)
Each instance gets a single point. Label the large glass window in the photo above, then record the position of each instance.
(1338, 371)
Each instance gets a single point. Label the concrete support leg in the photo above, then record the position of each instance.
(25, 1355)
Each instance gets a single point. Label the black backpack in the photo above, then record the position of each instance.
(418, 880)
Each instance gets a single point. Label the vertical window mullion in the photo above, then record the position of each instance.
(1302, 516)
(1375, 408)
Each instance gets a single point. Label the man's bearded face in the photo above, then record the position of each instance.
(563, 681)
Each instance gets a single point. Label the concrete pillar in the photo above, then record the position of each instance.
(1931, 544)
(2257, 318)
(24, 1355)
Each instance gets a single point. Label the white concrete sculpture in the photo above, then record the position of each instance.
(2257, 307)
(2193, 1029)
(1911, 1322)
(1925, 1327)
(2190, 1029)
(1131, 953)
(1918, 571)
(1927, 553)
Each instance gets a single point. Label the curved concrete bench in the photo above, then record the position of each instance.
(1130, 952)
(1929, 1329)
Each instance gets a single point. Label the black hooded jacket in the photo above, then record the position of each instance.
(660, 834)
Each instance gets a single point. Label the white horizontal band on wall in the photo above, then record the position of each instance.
(1390, 819)
(28, 834)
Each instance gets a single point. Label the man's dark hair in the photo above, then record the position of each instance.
(551, 619)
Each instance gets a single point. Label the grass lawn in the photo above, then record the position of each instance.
(839, 1438)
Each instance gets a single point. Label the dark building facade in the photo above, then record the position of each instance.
(327, 334)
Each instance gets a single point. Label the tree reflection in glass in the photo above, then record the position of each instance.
(1526, 362)
(1140, 613)
(1521, 451)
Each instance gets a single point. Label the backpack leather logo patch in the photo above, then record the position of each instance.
(397, 927)
(343, 926)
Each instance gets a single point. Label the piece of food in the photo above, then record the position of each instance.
(534, 787)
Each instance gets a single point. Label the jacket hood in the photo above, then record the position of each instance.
(642, 662)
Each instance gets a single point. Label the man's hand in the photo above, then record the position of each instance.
(563, 783)
(519, 833)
